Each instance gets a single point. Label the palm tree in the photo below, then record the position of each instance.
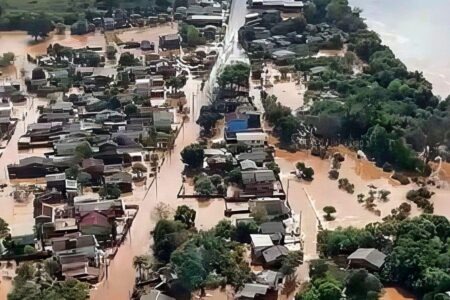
(141, 262)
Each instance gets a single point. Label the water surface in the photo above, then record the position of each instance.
(417, 31)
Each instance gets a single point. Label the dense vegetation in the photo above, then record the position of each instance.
(15, 15)
(418, 251)
(391, 111)
(200, 259)
(35, 282)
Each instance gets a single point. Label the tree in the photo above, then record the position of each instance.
(234, 176)
(29, 250)
(224, 229)
(329, 290)
(127, 60)
(290, 262)
(359, 284)
(329, 210)
(39, 26)
(141, 262)
(162, 211)
(83, 151)
(243, 231)
(176, 82)
(4, 228)
(139, 169)
(72, 172)
(168, 236)
(130, 110)
(235, 75)
(83, 178)
(259, 214)
(193, 155)
(286, 127)
(70, 289)
(204, 186)
(7, 59)
(191, 36)
(185, 215)
(274, 167)
(190, 269)
(110, 191)
(304, 172)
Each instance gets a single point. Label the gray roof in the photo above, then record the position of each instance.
(269, 277)
(250, 290)
(272, 227)
(371, 255)
(248, 165)
(255, 156)
(255, 176)
(273, 253)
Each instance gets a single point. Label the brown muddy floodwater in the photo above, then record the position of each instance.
(391, 293)
(120, 282)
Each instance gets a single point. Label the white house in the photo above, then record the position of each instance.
(252, 139)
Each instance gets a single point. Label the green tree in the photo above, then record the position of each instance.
(286, 128)
(360, 283)
(39, 26)
(141, 262)
(83, 151)
(4, 228)
(204, 186)
(224, 229)
(185, 215)
(329, 291)
(193, 155)
(139, 169)
(127, 60)
(110, 191)
(130, 110)
(235, 75)
(329, 210)
(274, 167)
(243, 231)
(176, 82)
(168, 236)
(190, 269)
(290, 262)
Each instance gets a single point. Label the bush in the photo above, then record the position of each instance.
(345, 185)
(204, 186)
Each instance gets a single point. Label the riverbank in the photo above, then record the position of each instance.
(413, 37)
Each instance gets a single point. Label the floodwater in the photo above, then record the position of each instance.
(120, 283)
(417, 31)
(396, 294)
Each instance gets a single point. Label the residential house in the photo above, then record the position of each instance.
(97, 224)
(122, 179)
(170, 42)
(369, 258)
(32, 167)
(252, 291)
(252, 139)
(273, 206)
(260, 242)
(258, 181)
(273, 255)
